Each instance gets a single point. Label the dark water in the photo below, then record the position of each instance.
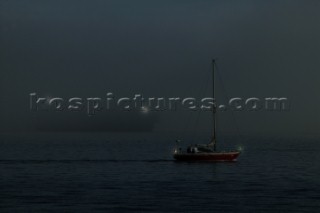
(135, 173)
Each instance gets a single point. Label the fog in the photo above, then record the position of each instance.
(160, 49)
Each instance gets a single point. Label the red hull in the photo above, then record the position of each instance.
(215, 156)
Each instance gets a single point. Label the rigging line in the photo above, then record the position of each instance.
(228, 98)
(186, 124)
(186, 120)
(189, 117)
(202, 91)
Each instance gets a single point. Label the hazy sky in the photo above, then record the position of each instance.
(160, 48)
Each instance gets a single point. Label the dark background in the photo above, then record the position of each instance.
(118, 161)
(162, 49)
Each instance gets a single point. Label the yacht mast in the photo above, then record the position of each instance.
(213, 142)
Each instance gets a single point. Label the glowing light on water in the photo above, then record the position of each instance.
(145, 110)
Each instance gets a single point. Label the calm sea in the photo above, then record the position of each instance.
(136, 173)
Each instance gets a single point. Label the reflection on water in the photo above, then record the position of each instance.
(96, 174)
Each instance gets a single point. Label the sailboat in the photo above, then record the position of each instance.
(206, 152)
